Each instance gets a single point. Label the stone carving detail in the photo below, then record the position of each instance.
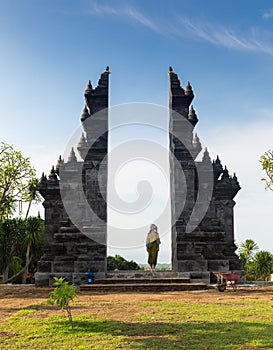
(210, 246)
(68, 252)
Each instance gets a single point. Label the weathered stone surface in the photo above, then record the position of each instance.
(209, 246)
(45, 266)
(42, 279)
(68, 252)
(218, 265)
(198, 248)
(192, 265)
(58, 266)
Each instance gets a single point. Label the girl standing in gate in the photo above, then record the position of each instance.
(152, 245)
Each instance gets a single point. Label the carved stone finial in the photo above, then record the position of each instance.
(88, 89)
(206, 157)
(192, 117)
(82, 142)
(196, 141)
(217, 168)
(235, 182)
(85, 113)
(196, 144)
(82, 146)
(170, 69)
(58, 165)
(228, 186)
(188, 89)
(107, 69)
(72, 157)
(43, 179)
(225, 173)
(196, 138)
(52, 176)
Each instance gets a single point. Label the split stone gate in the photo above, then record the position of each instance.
(198, 246)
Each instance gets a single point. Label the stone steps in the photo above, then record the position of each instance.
(128, 274)
(153, 280)
(142, 281)
(141, 287)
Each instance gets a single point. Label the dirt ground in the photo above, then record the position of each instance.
(16, 297)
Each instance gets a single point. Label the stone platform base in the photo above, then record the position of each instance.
(196, 277)
(142, 281)
(129, 274)
(44, 279)
(137, 287)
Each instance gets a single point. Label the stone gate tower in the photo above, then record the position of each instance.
(205, 245)
(73, 186)
(70, 250)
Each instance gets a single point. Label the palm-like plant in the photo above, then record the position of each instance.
(263, 265)
(18, 237)
(11, 233)
(34, 227)
(247, 251)
(32, 195)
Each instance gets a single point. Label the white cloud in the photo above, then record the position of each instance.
(139, 17)
(268, 14)
(128, 12)
(223, 36)
(217, 35)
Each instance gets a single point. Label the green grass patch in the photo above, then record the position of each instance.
(160, 325)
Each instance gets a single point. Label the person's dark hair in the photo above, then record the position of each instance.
(155, 227)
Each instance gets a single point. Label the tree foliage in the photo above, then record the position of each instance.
(247, 251)
(32, 195)
(20, 238)
(262, 265)
(32, 240)
(267, 165)
(11, 235)
(117, 262)
(258, 265)
(15, 174)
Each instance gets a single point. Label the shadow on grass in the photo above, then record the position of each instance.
(154, 335)
(162, 335)
(46, 306)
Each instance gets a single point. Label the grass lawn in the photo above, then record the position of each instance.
(242, 324)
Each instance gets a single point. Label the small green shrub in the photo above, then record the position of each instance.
(62, 295)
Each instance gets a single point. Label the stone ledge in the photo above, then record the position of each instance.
(146, 287)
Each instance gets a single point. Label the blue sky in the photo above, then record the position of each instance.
(50, 49)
